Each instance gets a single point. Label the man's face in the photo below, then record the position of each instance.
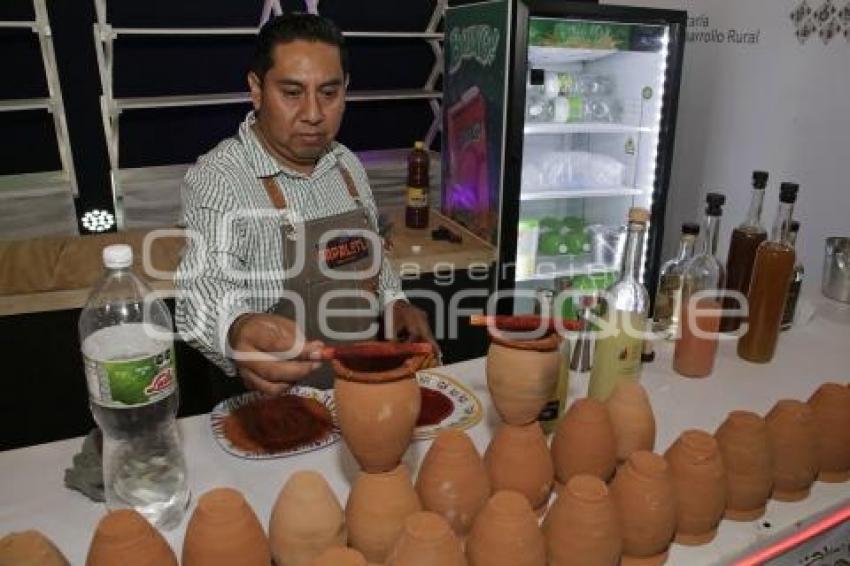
(300, 101)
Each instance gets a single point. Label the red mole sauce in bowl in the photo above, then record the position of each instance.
(436, 406)
(278, 424)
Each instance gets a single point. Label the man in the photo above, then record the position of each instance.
(280, 218)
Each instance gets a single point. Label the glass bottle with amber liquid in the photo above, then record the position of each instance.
(745, 240)
(702, 282)
(416, 212)
(772, 272)
(668, 299)
(617, 355)
(796, 283)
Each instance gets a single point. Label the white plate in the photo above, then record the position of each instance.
(467, 411)
(226, 407)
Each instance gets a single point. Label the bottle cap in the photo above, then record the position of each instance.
(714, 201)
(795, 226)
(639, 215)
(117, 256)
(759, 179)
(419, 145)
(691, 228)
(788, 192)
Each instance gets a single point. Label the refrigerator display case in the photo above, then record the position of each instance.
(560, 117)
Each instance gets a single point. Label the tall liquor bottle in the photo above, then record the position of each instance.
(774, 267)
(796, 283)
(745, 240)
(696, 348)
(620, 343)
(668, 299)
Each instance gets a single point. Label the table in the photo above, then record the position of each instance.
(815, 351)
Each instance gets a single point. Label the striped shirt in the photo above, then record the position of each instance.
(235, 233)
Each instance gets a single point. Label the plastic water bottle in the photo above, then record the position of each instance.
(128, 352)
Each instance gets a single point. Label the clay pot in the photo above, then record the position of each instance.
(831, 406)
(646, 501)
(745, 451)
(453, 481)
(306, 519)
(30, 548)
(427, 540)
(518, 459)
(377, 402)
(339, 556)
(223, 531)
(632, 419)
(700, 483)
(125, 537)
(376, 509)
(583, 527)
(506, 533)
(522, 375)
(584, 442)
(792, 435)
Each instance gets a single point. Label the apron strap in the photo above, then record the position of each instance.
(349, 183)
(274, 192)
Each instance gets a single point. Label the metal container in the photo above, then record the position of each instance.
(836, 269)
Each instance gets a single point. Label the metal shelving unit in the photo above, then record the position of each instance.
(105, 36)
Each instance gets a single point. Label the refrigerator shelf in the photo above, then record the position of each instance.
(583, 128)
(579, 193)
(548, 56)
(550, 267)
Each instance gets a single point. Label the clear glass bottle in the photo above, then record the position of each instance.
(617, 355)
(772, 273)
(796, 283)
(669, 296)
(743, 244)
(552, 412)
(702, 282)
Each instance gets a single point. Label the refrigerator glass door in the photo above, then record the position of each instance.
(594, 94)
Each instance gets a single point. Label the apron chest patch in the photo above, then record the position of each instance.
(344, 250)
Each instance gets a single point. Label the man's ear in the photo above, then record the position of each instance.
(255, 85)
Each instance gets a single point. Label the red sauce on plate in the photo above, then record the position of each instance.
(278, 424)
(436, 406)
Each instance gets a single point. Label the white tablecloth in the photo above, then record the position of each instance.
(32, 494)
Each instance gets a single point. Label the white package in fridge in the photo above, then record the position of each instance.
(553, 170)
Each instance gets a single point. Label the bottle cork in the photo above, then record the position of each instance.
(638, 214)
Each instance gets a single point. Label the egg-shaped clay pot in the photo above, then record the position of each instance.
(376, 509)
(632, 418)
(306, 519)
(793, 439)
(700, 482)
(339, 556)
(518, 459)
(831, 406)
(521, 375)
(30, 548)
(748, 465)
(506, 533)
(223, 530)
(646, 500)
(582, 526)
(125, 537)
(378, 403)
(584, 442)
(453, 481)
(427, 540)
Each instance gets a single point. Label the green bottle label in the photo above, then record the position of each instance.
(134, 382)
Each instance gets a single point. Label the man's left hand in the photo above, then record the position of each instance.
(409, 323)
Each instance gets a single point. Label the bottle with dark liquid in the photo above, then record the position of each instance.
(796, 283)
(746, 238)
(416, 213)
(772, 272)
(702, 281)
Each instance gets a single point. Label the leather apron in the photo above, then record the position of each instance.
(336, 244)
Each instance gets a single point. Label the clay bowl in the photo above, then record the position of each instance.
(306, 519)
(378, 402)
(453, 480)
(521, 375)
(223, 531)
(427, 540)
(30, 548)
(584, 442)
(793, 438)
(340, 556)
(632, 419)
(831, 407)
(125, 537)
(518, 459)
(582, 525)
(700, 482)
(506, 533)
(748, 464)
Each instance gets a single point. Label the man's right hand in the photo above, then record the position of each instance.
(267, 337)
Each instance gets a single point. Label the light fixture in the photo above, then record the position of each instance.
(98, 220)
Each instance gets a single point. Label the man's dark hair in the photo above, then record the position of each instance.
(292, 27)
